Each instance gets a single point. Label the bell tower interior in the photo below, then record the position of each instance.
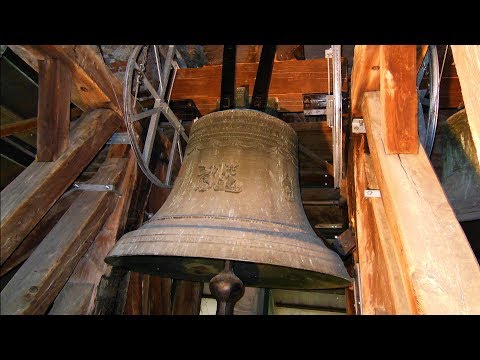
(240, 179)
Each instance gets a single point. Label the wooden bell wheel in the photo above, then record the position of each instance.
(428, 85)
(151, 72)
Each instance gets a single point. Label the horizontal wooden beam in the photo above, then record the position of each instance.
(18, 127)
(290, 79)
(26, 199)
(435, 254)
(36, 284)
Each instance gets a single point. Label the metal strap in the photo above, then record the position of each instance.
(264, 75)
(227, 92)
(96, 187)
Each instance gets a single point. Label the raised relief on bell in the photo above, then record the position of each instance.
(206, 177)
(222, 179)
(226, 180)
(287, 183)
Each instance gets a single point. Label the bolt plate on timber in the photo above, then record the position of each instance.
(358, 126)
(369, 193)
(95, 187)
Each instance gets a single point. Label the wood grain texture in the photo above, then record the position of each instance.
(365, 74)
(290, 79)
(29, 244)
(436, 256)
(18, 127)
(376, 297)
(53, 120)
(467, 63)
(397, 285)
(94, 86)
(36, 284)
(24, 201)
(187, 297)
(78, 294)
(398, 93)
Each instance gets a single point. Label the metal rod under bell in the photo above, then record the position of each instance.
(227, 289)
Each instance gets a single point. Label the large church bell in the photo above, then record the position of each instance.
(234, 217)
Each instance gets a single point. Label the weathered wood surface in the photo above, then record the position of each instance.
(36, 284)
(28, 245)
(24, 201)
(365, 74)
(53, 120)
(398, 93)
(467, 63)
(397, 286)
(94, 86)
(187, 298)
(290, 79)
(78, 294)
(436, 256)
(376, 297)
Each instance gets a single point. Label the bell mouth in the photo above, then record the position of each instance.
(252, 274)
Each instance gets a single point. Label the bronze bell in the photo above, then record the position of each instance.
(237, 197)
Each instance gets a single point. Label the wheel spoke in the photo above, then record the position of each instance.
(171, 158)
(150, 139)
(159, 69)
(145, 114)
(167, 68)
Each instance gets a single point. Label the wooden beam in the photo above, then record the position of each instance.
(467, 63)
(78, 294)
(53, 121)
(187, 297)
(399, 292)
(24, 201)
(436, 256)
(29, 244)
(36, 284)
(365, 74)
(30, 124)
(18, 127)
(398, 93)
(94, 86)
(290, 80)
(324, 165)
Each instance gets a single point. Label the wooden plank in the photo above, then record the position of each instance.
(53, 121)
(467, 63)
(78, 294)
(436, 256)
(36, 284)
(365, 74)
(24, 201)
(376, 297)
(30, 124)
(187, 297)
(29, 244)
(397, 284)
(111, 293)
(18, 127)
(290, 79)
(94, 86)
(398, 93)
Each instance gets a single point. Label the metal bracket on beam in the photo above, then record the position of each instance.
(119, 138)
(371, 193)
(96, 187)
(358, 126)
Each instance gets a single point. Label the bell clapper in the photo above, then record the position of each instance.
(227, 289)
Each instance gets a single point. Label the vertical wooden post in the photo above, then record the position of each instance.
(398, 91)
(54, 84)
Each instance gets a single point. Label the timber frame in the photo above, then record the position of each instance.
(412, 254)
